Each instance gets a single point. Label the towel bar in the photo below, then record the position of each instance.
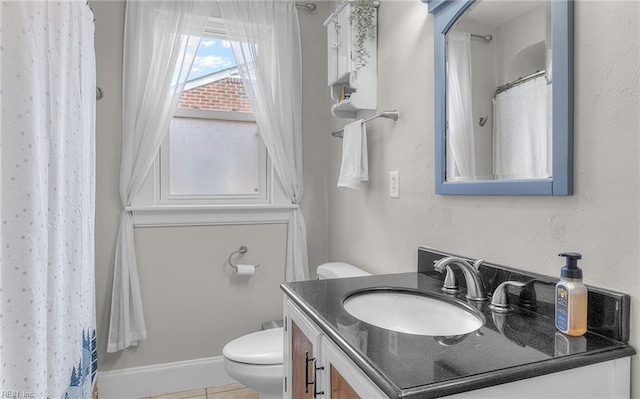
(386, 114)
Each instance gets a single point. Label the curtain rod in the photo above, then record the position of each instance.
(486, 38)
(305, 5)
(518, 81)
(386, 114)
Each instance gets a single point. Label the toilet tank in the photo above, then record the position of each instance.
(339, 270)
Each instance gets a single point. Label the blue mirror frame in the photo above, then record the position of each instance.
(446, 13)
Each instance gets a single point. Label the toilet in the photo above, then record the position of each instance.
(256, 359)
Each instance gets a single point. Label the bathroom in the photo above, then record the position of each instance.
(193, 306)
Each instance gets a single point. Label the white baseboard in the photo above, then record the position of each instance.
(141, 382)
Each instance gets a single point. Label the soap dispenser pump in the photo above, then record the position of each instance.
(571, 298)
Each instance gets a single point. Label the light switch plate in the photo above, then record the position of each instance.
(394, 184)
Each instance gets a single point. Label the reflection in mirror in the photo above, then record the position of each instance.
(498, 92)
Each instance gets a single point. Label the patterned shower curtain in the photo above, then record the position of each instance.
(47, 97)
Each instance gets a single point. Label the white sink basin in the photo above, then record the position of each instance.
(413, 313)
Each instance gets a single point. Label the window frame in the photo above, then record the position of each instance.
(150, 208)
(166, 198)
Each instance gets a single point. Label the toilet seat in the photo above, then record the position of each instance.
(332, 270)
(263, 348)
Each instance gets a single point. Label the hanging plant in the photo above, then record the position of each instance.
(363, 22)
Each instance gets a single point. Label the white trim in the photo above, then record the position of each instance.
(211, 114)
(157, 379)
(194, 215)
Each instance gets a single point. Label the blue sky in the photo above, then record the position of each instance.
(213, 55)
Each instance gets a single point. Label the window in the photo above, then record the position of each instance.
(213, 152)
(213, 166)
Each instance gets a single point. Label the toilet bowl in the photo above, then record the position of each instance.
(256, 359)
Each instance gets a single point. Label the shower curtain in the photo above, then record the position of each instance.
(460, 132)
(47, 316)
(520, 131)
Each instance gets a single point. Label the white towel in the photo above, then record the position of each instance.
(355, 163)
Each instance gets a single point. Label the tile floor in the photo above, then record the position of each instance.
(231, 391)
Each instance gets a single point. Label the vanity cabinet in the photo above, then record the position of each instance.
(315, 367)
(352, 88)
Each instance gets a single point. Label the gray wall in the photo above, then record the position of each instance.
(600, 220)
(192, 305)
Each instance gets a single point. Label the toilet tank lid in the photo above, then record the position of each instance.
(261, 347)
(339, 270)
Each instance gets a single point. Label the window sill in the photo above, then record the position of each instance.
(203, 215)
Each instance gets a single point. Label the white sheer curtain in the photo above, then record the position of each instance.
(520, 131)
(265, 38)
(47, 192)
(460, 133)
(161, 39)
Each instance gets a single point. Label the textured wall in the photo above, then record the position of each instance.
(315, 128)
(600, 220)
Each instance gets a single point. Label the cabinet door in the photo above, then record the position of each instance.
(346, 379)
(343, 52)
(339, 47)
(301, 351)
(340, 388)
(332, 53)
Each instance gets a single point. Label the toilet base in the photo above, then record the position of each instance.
(267, 380)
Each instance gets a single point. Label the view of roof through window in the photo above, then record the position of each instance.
(214, 82)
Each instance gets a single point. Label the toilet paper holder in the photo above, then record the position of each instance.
(241, 251)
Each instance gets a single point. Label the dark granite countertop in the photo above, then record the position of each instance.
(508, 347)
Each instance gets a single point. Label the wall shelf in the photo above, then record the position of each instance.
(351, 88)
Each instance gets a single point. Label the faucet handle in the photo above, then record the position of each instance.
(450, 285)
(500, 299)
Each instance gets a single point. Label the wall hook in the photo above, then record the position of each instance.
(482, 121)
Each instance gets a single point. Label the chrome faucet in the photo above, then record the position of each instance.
(475, 286)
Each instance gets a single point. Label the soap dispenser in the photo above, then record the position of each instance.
(571, 298)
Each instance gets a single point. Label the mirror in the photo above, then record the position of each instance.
(503, 95)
